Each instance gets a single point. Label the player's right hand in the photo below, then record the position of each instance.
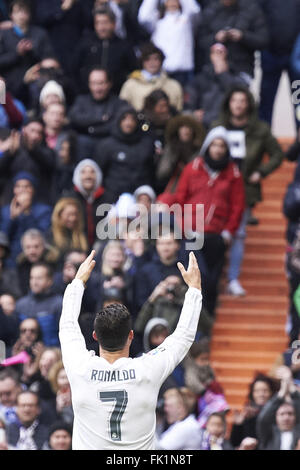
(192, 276)
(86, 268)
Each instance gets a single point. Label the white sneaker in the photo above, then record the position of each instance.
(235, 288)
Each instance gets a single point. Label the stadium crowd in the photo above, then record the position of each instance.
(117, 110)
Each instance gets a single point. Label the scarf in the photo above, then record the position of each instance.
(26, 441)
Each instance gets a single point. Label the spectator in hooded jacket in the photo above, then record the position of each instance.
(250, 140)
(151, 77)
(104, 48)
(88, 190)
(239, 25)
(92, 115)
(172, 30)
(42, 303)
(23, 213)
(127, 157)
(21, 46)
(213, 180)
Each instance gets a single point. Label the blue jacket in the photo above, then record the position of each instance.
(39, 218)
(46, 308)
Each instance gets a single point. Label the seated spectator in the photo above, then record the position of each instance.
(27, 152)
(156, 113)
(10, 387)
(184, 431)
(240, 26)
(92, 115)
(151, 77)
(171, 26)
(103, 48)
(36, 78)
(278, 422)
(21, 46)
(61, 387)
(163, 264)
(12, 112)
(41, 303)
(205, 93)
(89, 192)
(72, 261)
(34, 249)
(127, 157)
(29, 433)
(250, 140)
(60, 437)
(213, 437)
(8, 281)
(67, 229)
(22, 213)
(261, 390)
(183, 141)
(213, 180)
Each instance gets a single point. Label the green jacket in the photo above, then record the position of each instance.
(264, 153)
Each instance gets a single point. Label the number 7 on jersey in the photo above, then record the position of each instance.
(120, 398)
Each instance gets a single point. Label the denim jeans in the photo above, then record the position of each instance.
(237, 249)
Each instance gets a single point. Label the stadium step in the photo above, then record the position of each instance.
(250, 332)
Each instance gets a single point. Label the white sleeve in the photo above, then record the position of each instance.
(73, 347)
(175, 438)
(171, 352)
(148, 14)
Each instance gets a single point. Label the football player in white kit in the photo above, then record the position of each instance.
(114, 396)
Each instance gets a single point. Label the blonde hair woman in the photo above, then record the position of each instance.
(68, 226)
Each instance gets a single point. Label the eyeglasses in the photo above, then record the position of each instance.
(31, 330)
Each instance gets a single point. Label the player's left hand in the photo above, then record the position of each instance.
(86, 268)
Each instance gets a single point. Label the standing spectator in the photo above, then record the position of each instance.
(250, 140)
(24, 212)
(29, 433)
(278, 423)
(171, 25)
(183, 141)
(205, 93)
(183, 432)
(64, 21)
(67, 228)
(21, 46)
(34, 249)
(27, 152)
(88, 190)
(103, 48)
(213, 180)
(261, 390)
(279, 56)
(151, 77)
(41, 303)
(240, 26)
(127, 157)
(92, 115)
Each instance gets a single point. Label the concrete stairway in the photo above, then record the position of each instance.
(249, 332)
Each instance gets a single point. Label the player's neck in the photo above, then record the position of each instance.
(111, 357)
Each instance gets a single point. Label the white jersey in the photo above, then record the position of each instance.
(114, 404)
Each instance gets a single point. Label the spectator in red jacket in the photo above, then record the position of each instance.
(214, 181)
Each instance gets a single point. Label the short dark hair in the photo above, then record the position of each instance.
(218, 414)
(105, 11)
(260, 377)
(200, 347)
(24, 4)
(112, 326)
(148, 49)
(98, 68)
(42, 264)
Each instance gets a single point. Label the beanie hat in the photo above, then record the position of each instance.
(25, 175)
(145, 189)
(52, 88)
